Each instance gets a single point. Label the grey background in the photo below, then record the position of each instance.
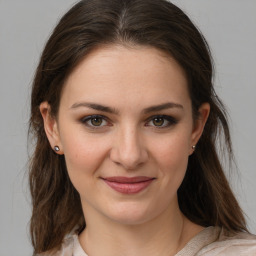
(230, 28)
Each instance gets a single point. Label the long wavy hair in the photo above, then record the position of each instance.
(204, 196)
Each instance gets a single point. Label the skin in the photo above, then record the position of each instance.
(128, 143)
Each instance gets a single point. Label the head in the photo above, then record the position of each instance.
(146, 27)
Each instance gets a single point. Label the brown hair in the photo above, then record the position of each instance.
(204, 196)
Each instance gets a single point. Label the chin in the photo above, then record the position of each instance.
(131, 214)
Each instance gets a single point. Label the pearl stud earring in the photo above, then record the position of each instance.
(56, 148)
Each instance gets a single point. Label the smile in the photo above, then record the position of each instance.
(127, 185)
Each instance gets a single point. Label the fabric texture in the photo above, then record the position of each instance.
(212, 241)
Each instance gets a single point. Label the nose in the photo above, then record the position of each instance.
(129, 149)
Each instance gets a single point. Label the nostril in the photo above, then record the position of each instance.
(129, 162)
(128, 149)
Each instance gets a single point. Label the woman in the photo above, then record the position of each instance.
(126, 122)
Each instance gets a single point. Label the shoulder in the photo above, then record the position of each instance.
(216, 241)
(231, 244)
(70, 247)
(66, 248)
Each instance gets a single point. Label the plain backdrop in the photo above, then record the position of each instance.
(230, 28)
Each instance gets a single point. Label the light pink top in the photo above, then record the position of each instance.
(211, 241)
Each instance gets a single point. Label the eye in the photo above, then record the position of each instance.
(95, 121)
(161, 121)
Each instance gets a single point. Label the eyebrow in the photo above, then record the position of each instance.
(116, 112)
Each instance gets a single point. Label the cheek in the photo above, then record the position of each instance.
(171, 156)
(83, 155)
(172, 148)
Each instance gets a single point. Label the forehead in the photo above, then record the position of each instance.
(143, 74)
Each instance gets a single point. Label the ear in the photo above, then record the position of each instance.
(50, 127)
(199, 124)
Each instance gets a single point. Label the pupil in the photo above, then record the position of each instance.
(158, 121)
(96, 121)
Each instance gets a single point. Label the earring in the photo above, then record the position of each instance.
(56, 148)
(194, 147)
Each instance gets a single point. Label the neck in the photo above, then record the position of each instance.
(164, 235)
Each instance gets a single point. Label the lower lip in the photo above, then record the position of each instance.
(129, 188)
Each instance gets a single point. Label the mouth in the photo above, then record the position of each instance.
(128, 185)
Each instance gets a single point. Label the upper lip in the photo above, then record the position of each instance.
(121, 179)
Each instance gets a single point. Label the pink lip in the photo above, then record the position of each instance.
(127, 185)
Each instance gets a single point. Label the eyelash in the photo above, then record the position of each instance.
(171, 121)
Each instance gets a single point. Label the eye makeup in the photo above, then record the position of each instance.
(156, 121)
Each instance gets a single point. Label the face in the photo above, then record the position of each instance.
(126, 130)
